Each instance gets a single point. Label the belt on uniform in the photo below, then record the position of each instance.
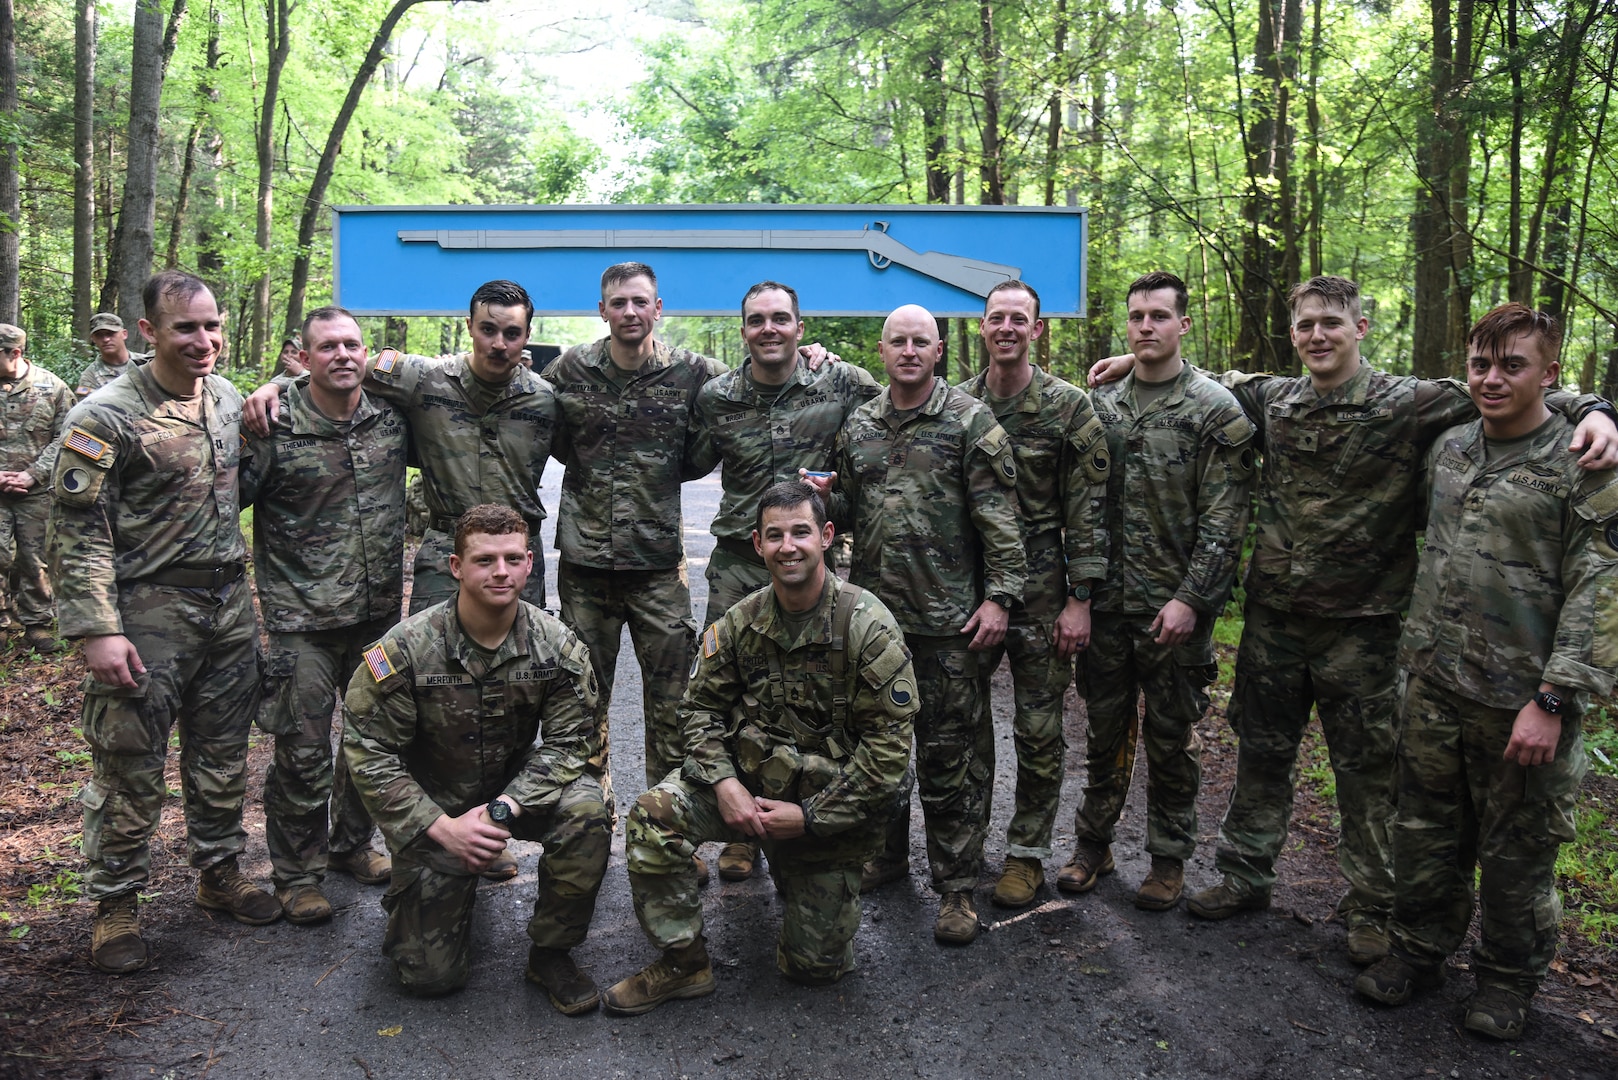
(196, 577)
(742, 549)
(1048, 539)
(446, 524)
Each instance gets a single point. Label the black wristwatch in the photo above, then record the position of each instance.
(499, 812)
(1080, 592)
(1003, 600)
(1549, 702)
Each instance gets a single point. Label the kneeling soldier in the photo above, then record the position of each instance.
(469, 723)
(798, 725)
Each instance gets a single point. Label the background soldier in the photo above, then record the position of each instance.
(798, 723)
(327, 487)
(111, 341)
(929, 481)
(625, 403)
(148, 560)
(469, 723)
(1510, 628)
(764, 421)
(1177, 506)
(33, 406)
(1062, 469)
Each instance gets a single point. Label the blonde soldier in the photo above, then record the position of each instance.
(149, 560)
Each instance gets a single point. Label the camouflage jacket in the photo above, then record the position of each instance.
(431, 727)
(623, 441)
(468, 458)
(99, 373)
(763, 437)
(1177, 496)
(141, 486)
(933, 505)
(32, 413)
(1062, 468)
(1518, 581)
(328, 517)
(1338, 498)
(760, 684)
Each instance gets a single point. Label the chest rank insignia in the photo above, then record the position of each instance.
(376, 658)
(82, 442)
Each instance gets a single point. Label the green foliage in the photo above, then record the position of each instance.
(65, 887)
(1587, 873)
(1601, 741)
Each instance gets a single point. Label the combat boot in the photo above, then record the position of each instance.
(504, 868)
(1497, 1011)
(223, 888)
(700, 865)
(882, 870)
(680, 973)
(365, 865)
(116, 946)
(1227, 898)
(1162, 887)
(1392, 980)
(41, 640)
(736, 861)
(1019, 882)
(570, 989)
(303, 905)
(1367, 944)
(1084, 869)
(957, 919)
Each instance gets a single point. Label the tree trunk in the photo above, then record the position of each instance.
(84, 172)
(182, 198)
(1313, 221)
(210, 261)
(10, 195)
(278, 14)
(1519, 276)
(991, 174)
(1435, 351)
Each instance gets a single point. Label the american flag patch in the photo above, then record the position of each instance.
(710, 640)
(387, 360)
(84, 443)
(376, 658)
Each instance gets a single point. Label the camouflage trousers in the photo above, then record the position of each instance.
(656, 604)
(432, 582)
(1346, 669)
(1462, 806)
(954, 762)
(1039, 680)
(821, 900)
(431, 895)
(730, 578)
(1122, 665)
(22, 557)
(305, 674)
(200, 648)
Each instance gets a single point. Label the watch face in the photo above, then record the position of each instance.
(499, 812)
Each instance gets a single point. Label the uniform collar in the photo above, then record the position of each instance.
(931, 407)
(771, 621)
(1171, 397)
(1356, 391)
(459, 368)
(465, 650)
(744, 386)
(308, 420)
(597, 356)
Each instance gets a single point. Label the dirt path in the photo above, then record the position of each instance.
(1086, 986)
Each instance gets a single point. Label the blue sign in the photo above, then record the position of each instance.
(843, 260)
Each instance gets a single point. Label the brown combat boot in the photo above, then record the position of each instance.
(41, 640)
(1229, 897)
(223, 888)
(116, 946)
(303, 905)
(736, 861)
(957, 919)
(570, 989)
(504, 868)
(680, 973)
(1162, 887)
(365, 865)
(1019, 882)
(1367, 944)
(1084, 869)
(882, 870)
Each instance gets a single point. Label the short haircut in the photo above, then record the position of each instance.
(618, 273)
(1329, 289)
(12, 336)
(171, 284)
(1162, 279)
(1490, 333)
(500, 293)
(769, 286)
(1013, 285)
(488, 519)
(788, 494)
(320, 314)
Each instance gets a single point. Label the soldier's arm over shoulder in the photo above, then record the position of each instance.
(1585, 656)
(379, 730)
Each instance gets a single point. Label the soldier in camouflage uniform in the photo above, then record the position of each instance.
(470, 723)
(928, 480)
(111, 341)
(626, 403)
(798, 724)
(148, 561)
(764, 421)
(327, 488)
(1062, 468)
(1333, 560)
(33, 406)
(1513, 623)
(1177, 508)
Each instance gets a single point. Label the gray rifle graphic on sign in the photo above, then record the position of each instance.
(973, 275)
